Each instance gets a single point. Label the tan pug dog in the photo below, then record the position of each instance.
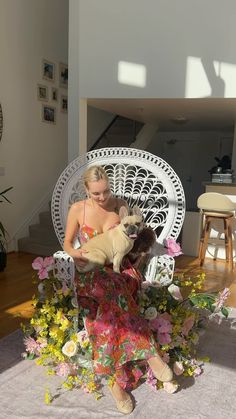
(114, 244)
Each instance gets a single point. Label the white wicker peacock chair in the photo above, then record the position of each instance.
(139, 177)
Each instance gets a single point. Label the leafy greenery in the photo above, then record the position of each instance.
(176, 314)
(3, 232)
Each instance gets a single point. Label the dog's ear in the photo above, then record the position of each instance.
(136, 211)
(123, 212)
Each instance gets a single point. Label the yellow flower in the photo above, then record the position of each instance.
(111, 380)
(68, 386)
(56, 333)
(65, 324)
(91, 386)
(73, 312)
(187, 283)
(58, 316)
(50, 372)
(47, 397)
(205, 359)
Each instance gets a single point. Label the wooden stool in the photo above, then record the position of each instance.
(227, 220)
(215, 206)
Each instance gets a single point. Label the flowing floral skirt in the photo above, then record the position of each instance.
(121, 339)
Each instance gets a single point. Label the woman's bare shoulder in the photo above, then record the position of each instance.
(77, 206)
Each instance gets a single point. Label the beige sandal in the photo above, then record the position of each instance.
(123, 406)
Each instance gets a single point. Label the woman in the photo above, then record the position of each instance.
(120, 337)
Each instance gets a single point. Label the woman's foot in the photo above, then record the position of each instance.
(160, 369)
(123, 400)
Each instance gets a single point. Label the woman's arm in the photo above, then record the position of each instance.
(72, 227)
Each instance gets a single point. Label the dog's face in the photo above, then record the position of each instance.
(132, 224)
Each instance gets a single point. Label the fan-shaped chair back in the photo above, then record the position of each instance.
(139, 177)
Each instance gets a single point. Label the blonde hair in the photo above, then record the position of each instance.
(94, 174)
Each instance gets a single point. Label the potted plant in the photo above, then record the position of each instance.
(3, 233)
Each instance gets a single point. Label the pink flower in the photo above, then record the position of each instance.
(151, 380)
(165, 357)
(163, 327)
(163, 338)
(173, 248)
(65, 288)
(32, 346)
(197, 371)
(43, 266)
(161, 324)
(63, 369)
(178, 368)
(188, 324)
(221, 298)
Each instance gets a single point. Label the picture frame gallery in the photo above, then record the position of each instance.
(51, 91)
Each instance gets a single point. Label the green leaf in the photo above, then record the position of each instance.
(30, 356)
(225, 312)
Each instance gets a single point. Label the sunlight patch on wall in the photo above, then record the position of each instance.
(196, 83)
(132, 74)
(206, 78)
(227, 73)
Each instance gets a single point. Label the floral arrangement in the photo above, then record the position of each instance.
(176, 312)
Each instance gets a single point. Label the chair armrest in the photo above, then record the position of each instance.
(64, 268)
(160, 269)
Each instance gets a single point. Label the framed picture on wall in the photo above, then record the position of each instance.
(48, 70)
(54, 94)
(64, 103)
(42, 92)
(48, 114)
(63, 75)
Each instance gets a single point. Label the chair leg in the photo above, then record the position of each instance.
(226, 234)
(230, 242)
(201, 241)
(204, 240)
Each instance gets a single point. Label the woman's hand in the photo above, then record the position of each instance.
(79, 259)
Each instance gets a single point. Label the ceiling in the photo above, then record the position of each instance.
(175, 114)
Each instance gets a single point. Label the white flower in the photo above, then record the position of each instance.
(178, 368)
(41, 288)
(82, 336)
(74, 302)
(170, 387)
(175, 292)
(70, 348)
(150, 313)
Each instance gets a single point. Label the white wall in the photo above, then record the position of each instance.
(32, 152)
(192, 155)
(176, 49)
(158, 34)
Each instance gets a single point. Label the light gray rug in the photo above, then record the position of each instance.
(212, 395)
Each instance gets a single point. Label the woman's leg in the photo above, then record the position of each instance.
(160, 369)
(124, 403)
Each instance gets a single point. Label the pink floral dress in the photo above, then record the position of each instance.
(121, 339)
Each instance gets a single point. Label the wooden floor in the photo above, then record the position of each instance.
(17, 289)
